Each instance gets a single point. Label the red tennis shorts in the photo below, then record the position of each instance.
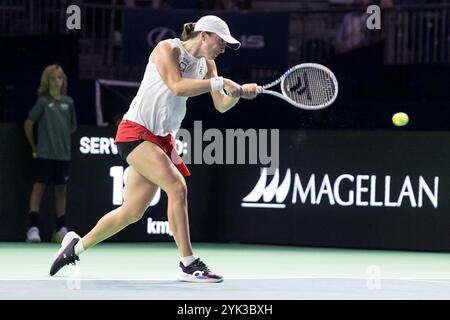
(129, 131)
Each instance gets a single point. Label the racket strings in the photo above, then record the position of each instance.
(309, 86)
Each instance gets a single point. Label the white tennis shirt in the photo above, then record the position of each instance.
(155, 106)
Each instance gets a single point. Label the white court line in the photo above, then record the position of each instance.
(65, 278)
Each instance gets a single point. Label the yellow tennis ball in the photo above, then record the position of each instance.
(400, 119)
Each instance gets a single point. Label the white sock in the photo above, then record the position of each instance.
(187, 260)
(79, 247)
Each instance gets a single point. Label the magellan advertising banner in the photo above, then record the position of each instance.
(354, 189)
(368, 189)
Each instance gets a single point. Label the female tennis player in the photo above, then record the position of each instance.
(177, 69)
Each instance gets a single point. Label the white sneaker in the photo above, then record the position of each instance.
(33, 235)
(59, 235)
(197, 271)
(66, 253)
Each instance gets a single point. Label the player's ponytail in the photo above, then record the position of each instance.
(188, 31)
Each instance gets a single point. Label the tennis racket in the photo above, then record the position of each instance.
(309, 86)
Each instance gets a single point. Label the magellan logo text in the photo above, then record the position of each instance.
(344, 190)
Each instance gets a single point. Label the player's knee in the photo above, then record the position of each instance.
(179, 191)
(132, 214)
(135, 216)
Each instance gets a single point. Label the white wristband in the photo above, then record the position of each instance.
(216, 84)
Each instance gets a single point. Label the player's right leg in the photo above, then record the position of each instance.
(139, 192)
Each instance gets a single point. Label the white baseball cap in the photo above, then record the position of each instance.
(218, 26)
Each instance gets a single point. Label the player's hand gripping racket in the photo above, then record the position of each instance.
(309, 86)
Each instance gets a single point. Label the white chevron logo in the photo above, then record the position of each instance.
(269, 192)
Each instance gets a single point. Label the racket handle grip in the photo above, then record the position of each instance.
(259, 89)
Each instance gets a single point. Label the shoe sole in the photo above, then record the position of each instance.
(184, 277)
(65, 242)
